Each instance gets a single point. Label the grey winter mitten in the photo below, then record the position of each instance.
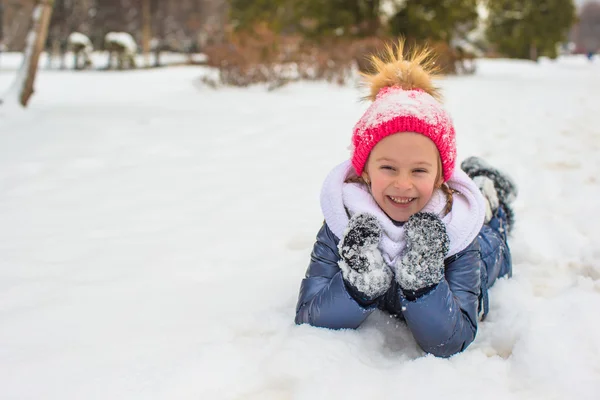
(362, 265)
(421, 267)
(497, 187)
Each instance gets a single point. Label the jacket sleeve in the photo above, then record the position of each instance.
(324, 300)
(444, 321)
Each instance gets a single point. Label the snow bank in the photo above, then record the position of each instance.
(77, 38)
(11, 61)
(123, 39)
(154, 236)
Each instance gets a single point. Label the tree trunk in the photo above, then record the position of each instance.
(157, 55)
(23, 85)
(146, 30)
(1, 26)
(36, 41)
(533, 52)
(374, 13)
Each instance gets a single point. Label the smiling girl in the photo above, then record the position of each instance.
(405, 231)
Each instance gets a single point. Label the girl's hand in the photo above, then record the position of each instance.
(427, 244)
(362, 265)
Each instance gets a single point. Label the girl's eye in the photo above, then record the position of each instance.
(420, 170)
(387, 167)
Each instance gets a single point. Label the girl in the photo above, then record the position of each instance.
(404, 230)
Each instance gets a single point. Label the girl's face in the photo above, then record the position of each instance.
(403, 169)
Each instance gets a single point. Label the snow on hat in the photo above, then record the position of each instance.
(404, 100)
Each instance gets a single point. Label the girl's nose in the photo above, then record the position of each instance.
(403, 182)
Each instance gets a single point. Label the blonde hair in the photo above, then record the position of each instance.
(446, 189)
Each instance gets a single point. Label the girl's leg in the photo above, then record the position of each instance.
(499, 192)
(498, 189)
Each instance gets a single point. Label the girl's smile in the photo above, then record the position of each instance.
(401, 201)
(402, 171)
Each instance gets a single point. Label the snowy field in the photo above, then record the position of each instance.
(12, 61)
(154, 233)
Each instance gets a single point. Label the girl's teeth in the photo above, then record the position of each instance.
(401, 201)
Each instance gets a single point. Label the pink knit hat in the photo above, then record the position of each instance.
(404, 102)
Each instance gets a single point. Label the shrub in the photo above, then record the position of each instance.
(263, 56)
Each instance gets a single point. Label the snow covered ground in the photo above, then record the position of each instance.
(154, 232)
(12, 61)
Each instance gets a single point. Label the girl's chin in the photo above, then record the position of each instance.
(399, 218)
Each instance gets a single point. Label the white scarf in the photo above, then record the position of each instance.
(463, 223)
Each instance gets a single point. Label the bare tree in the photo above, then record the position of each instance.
(23, 86)
(1, 27)
(146, 30)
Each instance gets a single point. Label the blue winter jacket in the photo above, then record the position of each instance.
(442, 321)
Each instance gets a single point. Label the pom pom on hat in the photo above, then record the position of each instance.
(404, 100)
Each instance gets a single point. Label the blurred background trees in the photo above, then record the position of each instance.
(529, 28)
(514, 28)
(179, 24)
(435, 20)
(248, 37)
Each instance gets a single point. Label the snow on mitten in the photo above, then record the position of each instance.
(421, 267)
(362, 264)
(496, 187)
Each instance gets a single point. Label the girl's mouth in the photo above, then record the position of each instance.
(401, 200)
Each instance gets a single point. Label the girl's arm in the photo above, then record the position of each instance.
(444, 320)
(324, 300)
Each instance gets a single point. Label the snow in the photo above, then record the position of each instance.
(414, 104)
(11, 61)
(154, 234)
(81, 39)
(362, 264)
(37, 13)
(427, 244)
(122, 38)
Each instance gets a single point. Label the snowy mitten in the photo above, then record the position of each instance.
(421, 267)
(501, 192)
(362, 265)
